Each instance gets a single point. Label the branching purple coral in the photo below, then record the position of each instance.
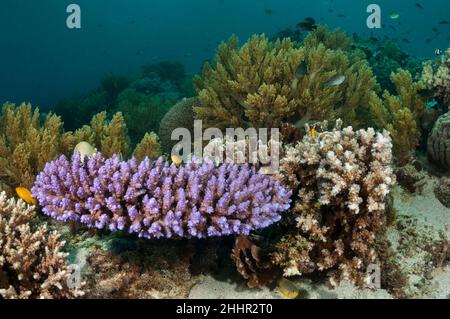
(156, 199)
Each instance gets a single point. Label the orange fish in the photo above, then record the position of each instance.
(25, 194)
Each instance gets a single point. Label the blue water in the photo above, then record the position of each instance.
(42, 61)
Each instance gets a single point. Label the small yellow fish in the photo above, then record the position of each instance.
(177, 160)
(25, 194)
(287, 289)
(313, 132)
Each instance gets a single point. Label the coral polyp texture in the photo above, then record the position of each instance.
(341, 179)
(438, 145)
(155, 199)
(32, 264)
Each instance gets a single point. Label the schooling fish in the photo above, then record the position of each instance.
(335, 81)
(288, 289)
(268, 12)
(444, 22)
(25, 194)
(418, 5)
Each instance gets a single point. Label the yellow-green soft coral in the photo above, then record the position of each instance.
(255, 85)
(400, 115)
(148, 147)
(27, 143)
(110, 137)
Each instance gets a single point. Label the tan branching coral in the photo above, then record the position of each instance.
(27, 142)
(148, 147)
(340, 180)
(260, 85)
(400, 115)
(109, 137)
(436, 76)
(31, 262)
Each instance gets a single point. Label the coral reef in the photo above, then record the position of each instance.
(438, 145)
(341, 179)
(113, 84)
(167, 71)
(180, 116)
(156, 199)
(257, 85)
(148, 147)
(31, 262)
(26, 143)
(251, 262)
(109, 137)
(400, 115)
(436, 76)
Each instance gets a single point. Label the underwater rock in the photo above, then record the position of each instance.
(442, 191)
(251, 262)
(151, 271)
(438, 145)
(410, 178)
(181, 115)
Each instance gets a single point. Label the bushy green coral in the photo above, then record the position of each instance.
(400, 114)
(255, 85)
(109, 137)
(142, 112)
(148, 147)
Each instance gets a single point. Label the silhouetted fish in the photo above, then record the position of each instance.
(301, 70)
(341, 16)
(428, 40)
(444, 22)
(418, 5)
(406, 40)
(335, 81)
(268, 12)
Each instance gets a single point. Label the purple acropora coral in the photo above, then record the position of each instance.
(155, 199)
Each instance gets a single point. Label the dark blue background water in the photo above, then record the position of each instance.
(41, 61)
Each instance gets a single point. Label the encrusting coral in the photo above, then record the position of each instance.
(438, 145)
(156, 199)
(341, 179)
(400, 115)
(436, 76)
(266, 84)
(181, 115)
(31, 262)
(27, 143)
